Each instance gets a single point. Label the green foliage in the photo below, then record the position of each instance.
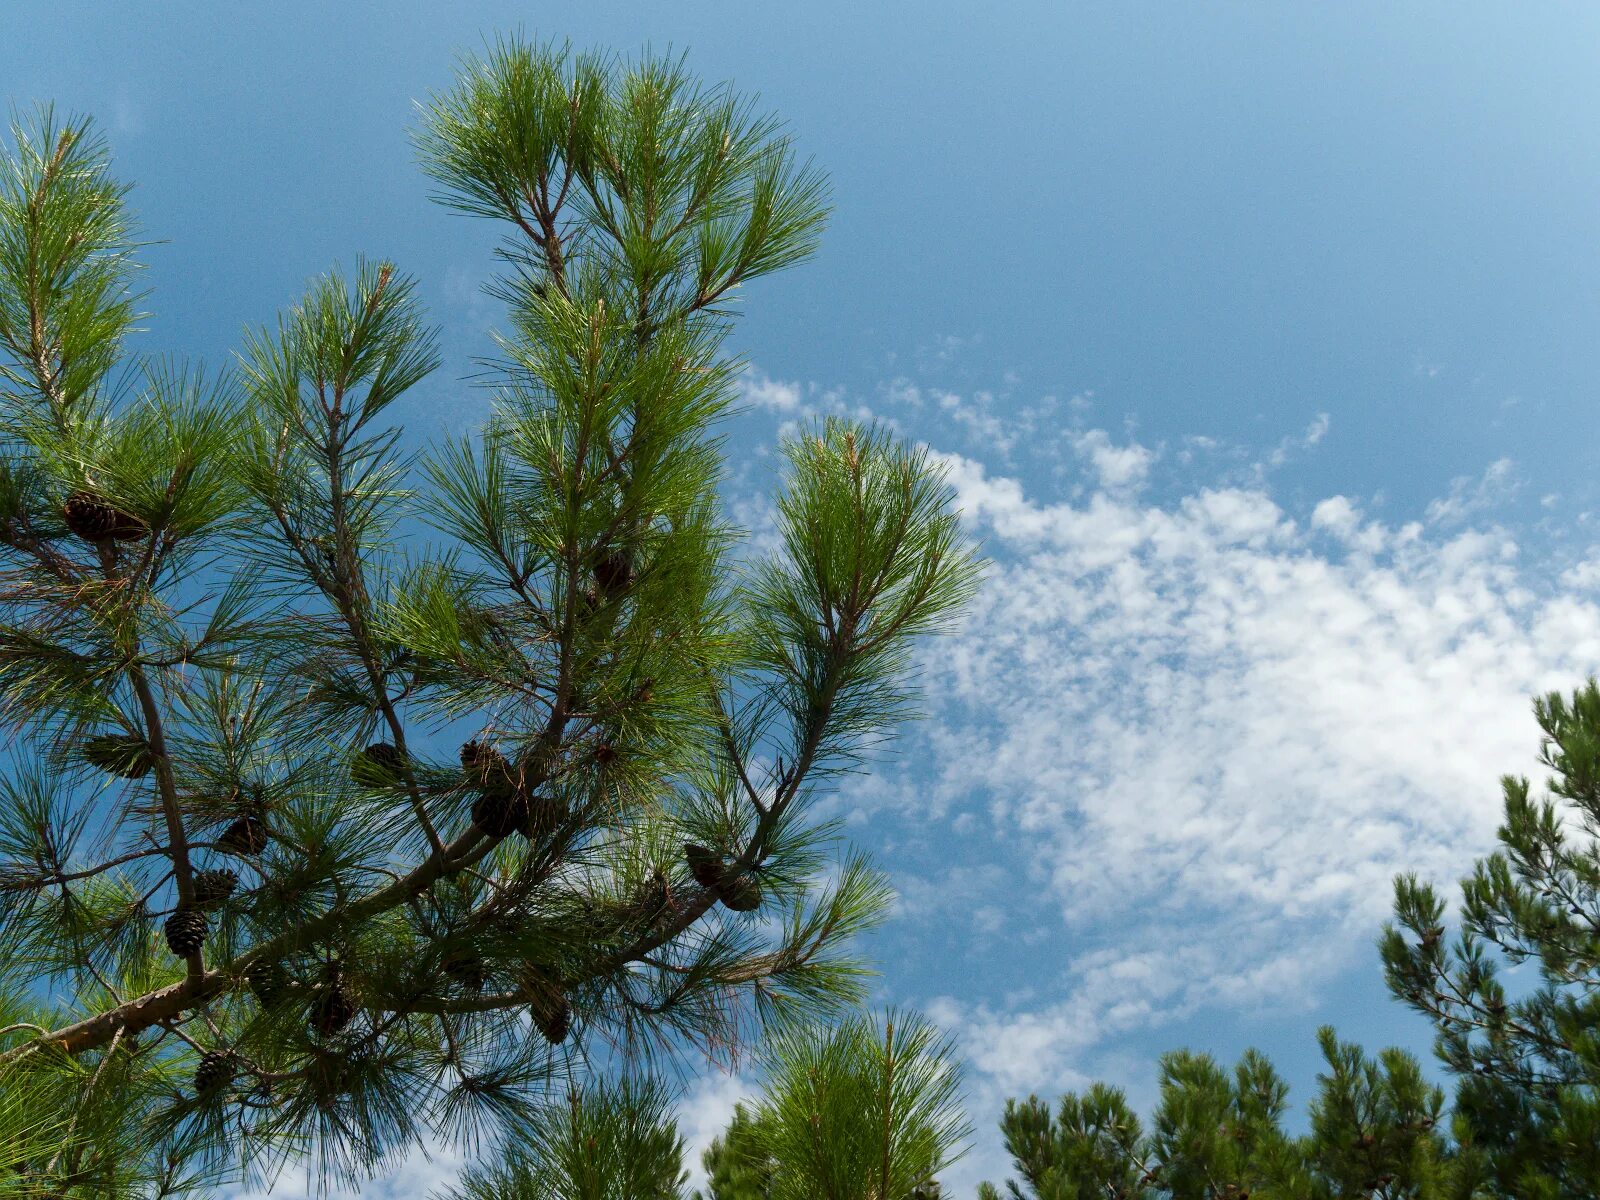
(1528, 1058)
(864, 1110)
(241, 628)
(1218, 1134)
(737, 1165)
(607, 1142)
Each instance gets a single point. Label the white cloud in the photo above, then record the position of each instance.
(427, 1170)
(705, 1112)
(775, 395)
(1315, 432)
(1206, 735)
(1118, 468)
(1469, 496)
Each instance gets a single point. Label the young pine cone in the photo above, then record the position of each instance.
(378, 766)
(216, 1071)
(95, 520)
(213, 887)
(118, 754)
(333, 1008)
(186, 931)
(246, 836)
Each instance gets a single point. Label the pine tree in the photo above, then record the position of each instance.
(1216, 1135)
(243, 629)
(736, 1165)
(607, 1142)
(1526, 1056)
(868, 1109)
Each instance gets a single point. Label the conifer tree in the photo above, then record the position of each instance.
(737, 1167)
(1526, 1054)
(1374, 1134)
(868, 1109)
(604, 1142)
(353, 794)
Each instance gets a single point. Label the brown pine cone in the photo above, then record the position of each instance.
(216, 1070)
(464, 966)
(333, 1009)
(614, 573)
(213, 887)
(245, 837)
(500, 811)
(186, 931)
(741, 892)
(482, 762)
(553, 1015)
(378, 766)
(95, 520)
(704, 864)
(266, 981)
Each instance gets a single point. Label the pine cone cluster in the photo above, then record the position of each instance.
(216, 1071)
(96, 520)
(380, 765)
(213, 887)
(121, 754)
(186, 931)
(245, 837)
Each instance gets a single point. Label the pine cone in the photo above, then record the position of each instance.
(605, 753)
(246, 836)
(704, 864)
(378, 766)
(553, 1015)
(614, 573)
(501, 810)
(119, 754)
(464, 966)
(213, 887)
(483, 763)
(652, 899)
(545, 816)
(266, 981)
(741, 892)
(333, 1008)
(95, 520)
(216, 1071)
(186, 931)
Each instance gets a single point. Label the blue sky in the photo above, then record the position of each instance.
(1258, 338)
